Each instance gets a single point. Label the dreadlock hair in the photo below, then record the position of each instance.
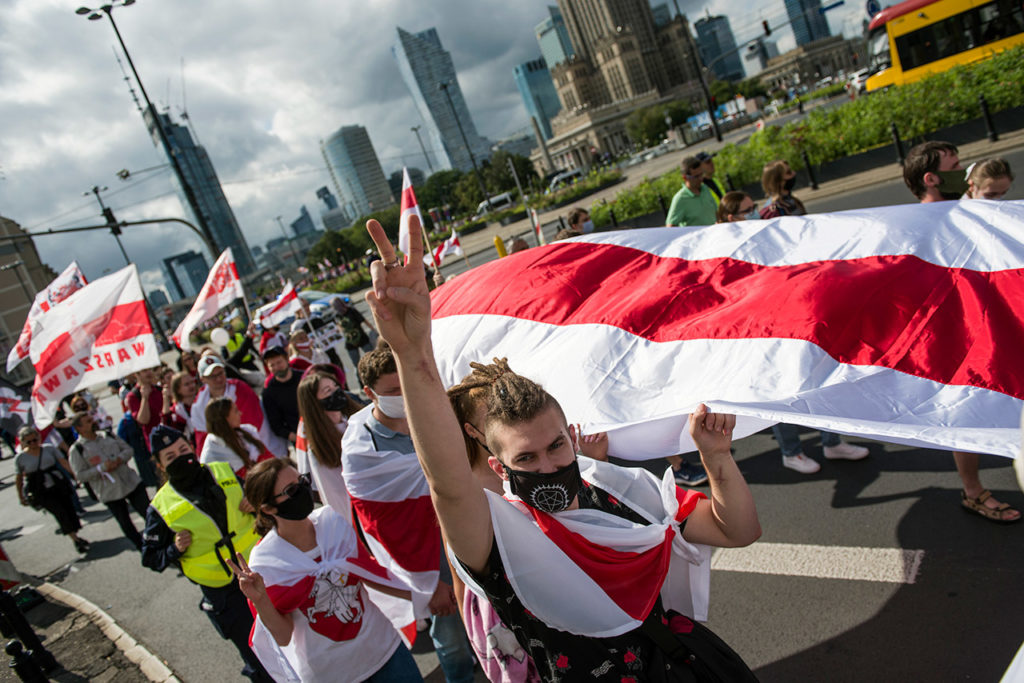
(510, 398)
(259, 490)
(217, 424)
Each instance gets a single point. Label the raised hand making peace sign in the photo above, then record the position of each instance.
(399, 300)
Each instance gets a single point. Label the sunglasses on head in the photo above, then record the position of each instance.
(291, 489)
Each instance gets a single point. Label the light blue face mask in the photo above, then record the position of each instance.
(588, 227)
(752, 215)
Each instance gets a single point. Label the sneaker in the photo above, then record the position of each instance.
(690, 475)
(845, 451)
(801, 463)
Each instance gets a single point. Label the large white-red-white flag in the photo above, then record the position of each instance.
(12, 404)
(899, 323)
(222, 286)
(450, 247)
(99, 333)
(286, 305)
(409, 208)
(63, 286)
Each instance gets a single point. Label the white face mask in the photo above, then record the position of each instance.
(588, 226)
(392, 406)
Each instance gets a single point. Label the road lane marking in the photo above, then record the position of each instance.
(888, 565)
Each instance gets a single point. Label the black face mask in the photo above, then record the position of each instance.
(790, 184)
(298, 505)
(336, 401)
(183, 471)
(552, 492)
(479, 442)
(952, 184)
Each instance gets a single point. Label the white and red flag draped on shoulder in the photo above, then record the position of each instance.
(13, 404)
(221, 288)
(450, 247)
(286, 305)
(99, 333)
(899, 323)
(409, 208)
(63, 286)
(391, 498)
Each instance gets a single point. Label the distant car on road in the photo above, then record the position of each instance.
(565, 178)
(858, 81)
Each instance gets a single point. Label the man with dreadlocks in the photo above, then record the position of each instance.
(580, 559)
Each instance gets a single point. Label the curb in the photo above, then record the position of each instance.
(149, 664)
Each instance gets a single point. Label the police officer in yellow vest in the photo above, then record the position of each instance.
(240, 350)
(708, 167)
(196, 520)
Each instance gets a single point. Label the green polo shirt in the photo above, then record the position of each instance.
(692, 209)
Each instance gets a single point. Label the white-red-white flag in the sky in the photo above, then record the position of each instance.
(13, 404)
(899, 323)
(99, 333)
(450, 247)
(63, 286)
(221, 288)
(409, 208)
(286, 305)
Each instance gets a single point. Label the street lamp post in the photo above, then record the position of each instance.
(109, 215)
(186, 187)
(472, 158)
(416, 129)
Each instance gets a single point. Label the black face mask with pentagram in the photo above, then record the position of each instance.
(551, 492)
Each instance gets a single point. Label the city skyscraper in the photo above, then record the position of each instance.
(303, 225)
(202, 178)
(538, 92)
(186, 273)
(355, 167)
(332, 216)
(807, 20)
(553, 38)
(715, 39)
(425, 66)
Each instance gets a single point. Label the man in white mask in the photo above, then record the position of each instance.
(391, 500)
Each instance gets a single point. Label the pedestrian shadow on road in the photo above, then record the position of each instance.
(109, 547)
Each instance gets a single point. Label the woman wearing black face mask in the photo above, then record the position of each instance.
(306, 580)
(324, 407)
(198, 521)
(778, 180)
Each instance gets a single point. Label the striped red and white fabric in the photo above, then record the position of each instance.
(285, 306)
(391, 499)
(600, 575)
(410, 208)
(898, 323)
(63, 286)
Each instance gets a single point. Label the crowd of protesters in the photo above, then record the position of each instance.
(378, 498)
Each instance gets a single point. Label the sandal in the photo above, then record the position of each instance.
(978, 507)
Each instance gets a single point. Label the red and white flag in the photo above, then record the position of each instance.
(898, 323)
(450, 247)
(12, 404)
(391, 498)
(221, 288)
(537, 229)
(409, 208)
(285, 306)
(99, 333)
(63, 286)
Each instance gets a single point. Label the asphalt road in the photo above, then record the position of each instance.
(866, 570)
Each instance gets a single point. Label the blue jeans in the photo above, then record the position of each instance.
(401, 668)
(452, 647)
(788, 437)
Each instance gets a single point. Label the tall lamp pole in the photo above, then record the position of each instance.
(115, 229)
(472, 158)
(416, 129)
(186, 187)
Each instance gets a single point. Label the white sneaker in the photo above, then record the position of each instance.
(845, 451)
(801, 463)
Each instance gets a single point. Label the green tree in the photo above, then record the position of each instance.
(498, 177)
(752, 87)
(467, 194)
(438, 190)
(648, 127)
(722, 91)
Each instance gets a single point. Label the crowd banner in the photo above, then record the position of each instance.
(222, 286)
(900, 323)
(63, 286)
(287, 305)
(99, 333)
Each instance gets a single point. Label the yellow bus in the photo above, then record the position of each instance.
(912, 39)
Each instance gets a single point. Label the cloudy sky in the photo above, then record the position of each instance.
(263, 82)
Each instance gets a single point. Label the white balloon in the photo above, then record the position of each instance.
(220, 336)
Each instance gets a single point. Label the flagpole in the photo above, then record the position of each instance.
(433, 256)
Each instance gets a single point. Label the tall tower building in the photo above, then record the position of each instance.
(553, 38)
(303, 225)
(185, 274)
(808, 21)
(715, 39)
(354, 164)
(538, 92)
(202, 178)
(425, 65)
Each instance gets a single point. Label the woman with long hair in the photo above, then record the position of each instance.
(229, 440)
(307, 580)
(41, 485)
(778, 180)
(324, 407)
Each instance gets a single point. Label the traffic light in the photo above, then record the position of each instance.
(767, 28)
(109, 215)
